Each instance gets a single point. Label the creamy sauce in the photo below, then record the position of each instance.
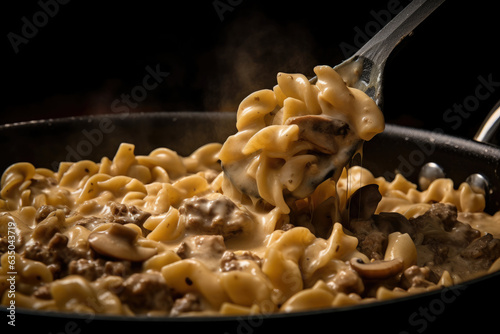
(161, 234)
(297, 136)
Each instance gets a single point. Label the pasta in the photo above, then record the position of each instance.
(167, 235)
(328, 117)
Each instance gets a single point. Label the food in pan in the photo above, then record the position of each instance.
(166, 235)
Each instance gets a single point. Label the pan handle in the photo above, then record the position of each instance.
(490, 125)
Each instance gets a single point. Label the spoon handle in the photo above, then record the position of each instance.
(378, 48)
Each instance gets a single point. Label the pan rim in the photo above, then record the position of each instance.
(392, 130)
(275, 316)
(404, 131)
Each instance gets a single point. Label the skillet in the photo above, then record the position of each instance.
(473, 303)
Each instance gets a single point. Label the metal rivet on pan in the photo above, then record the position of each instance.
(428, 173)
(478, 183)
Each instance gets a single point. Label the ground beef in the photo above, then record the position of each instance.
(92, 269)
(145, 292)
(373, 233)
(90, 223)
(374, 244)
(190, 302)
(127, 214)
(485, 249)
(63, 260)
(372, 229)
(208, 249)
(52, 223)
(124, 214)
(43, 211)
(218, 215)
(87, 268)
(443, 243)
(440, 225)
(43, 292)
(117, 213)
(286, 227)
(416, 276)
(347, 281)
(118, 268)
(446, 244)
(201, 246)
(388, 222)
(231, 261)
(56, 255)
(440, 252)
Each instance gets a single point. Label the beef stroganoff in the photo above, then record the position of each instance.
(260, 224)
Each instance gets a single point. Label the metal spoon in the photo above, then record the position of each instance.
(362, 71)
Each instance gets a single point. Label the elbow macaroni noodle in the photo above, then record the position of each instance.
(270, 269)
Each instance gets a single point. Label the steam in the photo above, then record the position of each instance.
(251, 52)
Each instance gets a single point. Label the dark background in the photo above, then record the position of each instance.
(89, 53)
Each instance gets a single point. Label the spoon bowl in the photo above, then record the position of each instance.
(363, 71)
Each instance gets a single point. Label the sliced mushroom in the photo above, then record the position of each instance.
(364, 202)
(118, 241)
(377, 269)
(321, 131)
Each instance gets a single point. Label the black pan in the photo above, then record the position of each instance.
(474, 303)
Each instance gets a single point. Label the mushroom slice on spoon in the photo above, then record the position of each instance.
(333, 143)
